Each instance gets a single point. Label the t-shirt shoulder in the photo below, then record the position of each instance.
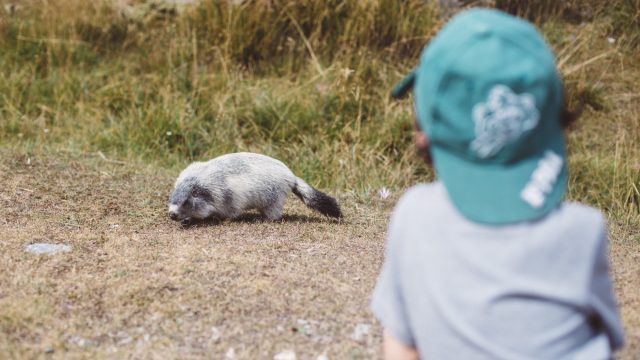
(581, 215)
(429, 202)
(422, 189)
(423, 196)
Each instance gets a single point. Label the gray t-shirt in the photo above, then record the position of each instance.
(455, 289)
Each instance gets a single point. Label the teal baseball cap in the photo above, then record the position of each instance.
(489, 97)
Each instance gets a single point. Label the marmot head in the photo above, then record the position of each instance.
(190, 200)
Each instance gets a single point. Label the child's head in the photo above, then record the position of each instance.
(490, 100)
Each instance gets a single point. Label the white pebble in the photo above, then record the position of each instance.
(215, 334)
(360, 331)
(43, 248)
(285, 355)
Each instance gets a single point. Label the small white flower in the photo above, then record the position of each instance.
(346, 72)
(611, 40)
(323, 88)
(384, 193)
(169, 133)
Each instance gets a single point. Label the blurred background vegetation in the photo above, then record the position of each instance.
(168, 82)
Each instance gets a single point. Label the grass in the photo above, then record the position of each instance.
(306, 83)
(137, 284)
(295, 82)
(110, 102)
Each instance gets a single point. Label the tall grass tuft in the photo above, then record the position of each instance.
(301, 81)
(622, 16)
(307, 82)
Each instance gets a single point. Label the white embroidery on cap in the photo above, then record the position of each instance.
(502, 119)
(542, 180)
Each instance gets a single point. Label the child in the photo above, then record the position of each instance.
(489, 262)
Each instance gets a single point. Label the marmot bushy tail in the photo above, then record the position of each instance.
(316, 199)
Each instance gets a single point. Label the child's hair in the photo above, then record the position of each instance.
(569, 116)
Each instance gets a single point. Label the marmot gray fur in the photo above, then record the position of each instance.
(228, 185)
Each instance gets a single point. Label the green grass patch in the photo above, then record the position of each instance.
(306, 82)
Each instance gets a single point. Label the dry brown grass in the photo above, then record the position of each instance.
(137, 285)
(150, 288)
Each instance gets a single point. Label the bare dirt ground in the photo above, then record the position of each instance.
(137, 285)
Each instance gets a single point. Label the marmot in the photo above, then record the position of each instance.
(230, 184)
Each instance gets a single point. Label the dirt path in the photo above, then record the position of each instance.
(137, 285)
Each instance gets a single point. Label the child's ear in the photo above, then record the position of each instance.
(422, 144)
(569, 116)
(422, 140)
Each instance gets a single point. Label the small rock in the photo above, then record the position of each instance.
(215, 334)
(230, 354)
(44, 248)
(305, 327)
(322, 357)
(80, 341)
(360, 331)
(123, 338)
(285, 355)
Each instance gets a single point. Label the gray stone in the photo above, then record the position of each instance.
(360, 332)
(44, 248)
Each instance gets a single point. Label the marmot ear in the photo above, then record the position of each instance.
(202, 193)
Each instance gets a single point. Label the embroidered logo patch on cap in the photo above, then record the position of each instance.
(502, 119)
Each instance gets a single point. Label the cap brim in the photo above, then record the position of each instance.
(403, 87)
(491, 194)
